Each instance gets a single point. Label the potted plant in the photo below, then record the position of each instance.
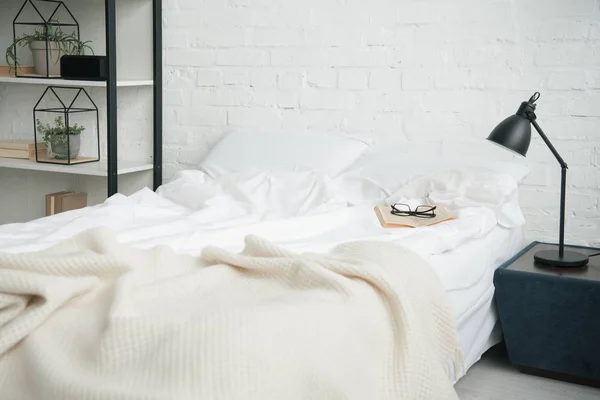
(47, 42)
(63, 142)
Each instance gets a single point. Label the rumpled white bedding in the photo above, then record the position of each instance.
(300, 211)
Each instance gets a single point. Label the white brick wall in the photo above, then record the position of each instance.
(433, 75)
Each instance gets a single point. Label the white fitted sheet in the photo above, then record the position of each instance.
(473, 305)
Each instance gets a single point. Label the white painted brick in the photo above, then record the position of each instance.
(389, 37)
(179, 78)
(452, 79)
(254, 117)
(584, 177)
(210, 37)
(201, 116)
(388, 124)
(430, 124)
(539, 175)
(236, 76)
(422, 12)
(290, 79)
(322, 77)
(221, 96)
(175, 98)
(210, 77)
(177, 136)
(263, 77)
(190, 157)
(555, 30)
(567, 80)
(353, 79)
(189, 58)
(312, 120)
(542, 9)
(281, 98)
(420, 79)
(171, 155)
(574, 128)
(389, 79)
(341, 57)
(475, 33)
(276, 37)
(492, 78)
(297, 57)
(584, 106)
(327, 99)
(175, 38)
(334, 35)
(363, 121)
(242, 57)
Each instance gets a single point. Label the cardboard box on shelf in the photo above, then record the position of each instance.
(59, 202)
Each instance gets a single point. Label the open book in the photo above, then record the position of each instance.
(389, 220)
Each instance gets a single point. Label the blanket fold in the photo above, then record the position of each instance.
(95, 319)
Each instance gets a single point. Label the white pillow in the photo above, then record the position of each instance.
(270, 151)
(273, 195)
(379, 174)
(464, 187)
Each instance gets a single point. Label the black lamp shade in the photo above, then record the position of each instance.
(514, 133)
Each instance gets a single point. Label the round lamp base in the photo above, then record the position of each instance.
(570, 259)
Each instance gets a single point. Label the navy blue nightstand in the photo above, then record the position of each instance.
(551, 317)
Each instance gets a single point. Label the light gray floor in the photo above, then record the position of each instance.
(494, 378)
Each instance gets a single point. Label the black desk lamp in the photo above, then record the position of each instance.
(514, 133)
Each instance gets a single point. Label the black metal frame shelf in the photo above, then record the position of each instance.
(111, 94)
(111, 84)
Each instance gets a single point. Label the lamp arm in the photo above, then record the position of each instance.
(562, 162)
(563, 185)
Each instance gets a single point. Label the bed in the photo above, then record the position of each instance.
(311, 203)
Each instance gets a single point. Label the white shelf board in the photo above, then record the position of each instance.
(90, 169)
(67, 82)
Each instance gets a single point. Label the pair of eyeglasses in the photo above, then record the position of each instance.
(404, 210)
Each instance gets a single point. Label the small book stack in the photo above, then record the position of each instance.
(24, 149)
(389, 220)
(59, 202)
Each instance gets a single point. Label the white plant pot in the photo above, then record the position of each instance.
(38, 51)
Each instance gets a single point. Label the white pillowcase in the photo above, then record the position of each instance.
(272, 195)
(459, 188)
(378, 175)
(271, 151)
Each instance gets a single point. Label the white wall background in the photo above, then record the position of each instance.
(432, 77)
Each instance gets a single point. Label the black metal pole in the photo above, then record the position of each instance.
(158, 97)
(111, 95)
(563, 200)
(563, 185)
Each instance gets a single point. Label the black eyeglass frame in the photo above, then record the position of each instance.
(419, 212)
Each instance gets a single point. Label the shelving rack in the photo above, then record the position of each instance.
(110, 18)
(111, 167)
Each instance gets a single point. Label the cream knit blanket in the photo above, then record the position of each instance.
(95, 319)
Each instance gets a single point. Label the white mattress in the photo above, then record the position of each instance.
(473, 305)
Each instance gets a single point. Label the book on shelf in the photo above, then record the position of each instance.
(24, 149)
(389, 220)
(59, 202)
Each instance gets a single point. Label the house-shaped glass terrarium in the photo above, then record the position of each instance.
(66, 120)
(43, 31)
